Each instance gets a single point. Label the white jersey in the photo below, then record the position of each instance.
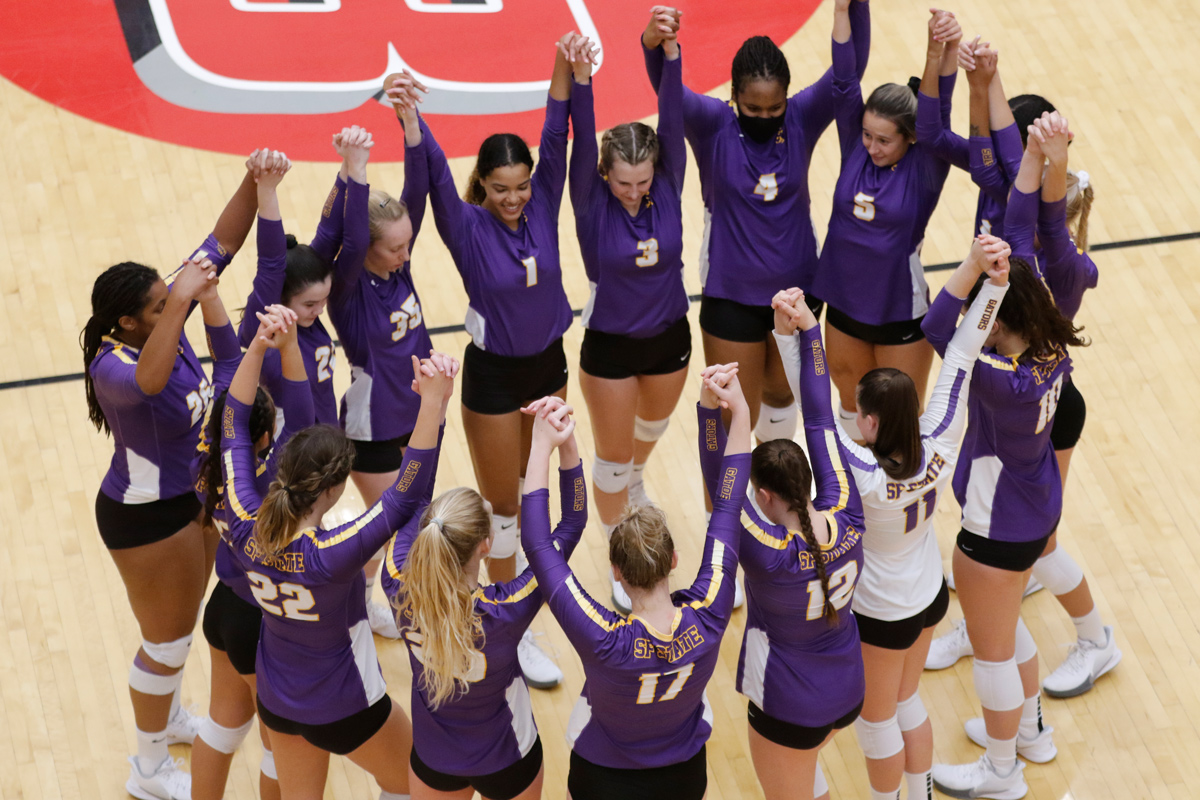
(902, 567)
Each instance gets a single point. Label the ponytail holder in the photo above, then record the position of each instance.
(1084, 179)
(438, 521)
(288, 489)
(385, 202)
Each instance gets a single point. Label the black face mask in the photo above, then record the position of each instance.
(760, 129)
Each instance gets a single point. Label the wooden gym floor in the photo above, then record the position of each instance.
(76, 197)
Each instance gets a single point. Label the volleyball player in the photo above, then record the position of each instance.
(640, 726)
(1008, 486)
(753, 156)
(473, 726)
(232, 617)
(503, 238)
(905, 465)
(147, 389)
(895, 159)
(637, 341)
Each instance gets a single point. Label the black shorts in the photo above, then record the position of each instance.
(687, 780)
(797, 737)
(902, 634)
(379, 457)
(1010, 556)
(613, 356)
(341, 737)
(232, 625)
(125, 525)
(502, 785)
(1067, 426)
(493, 384)
(889, 333)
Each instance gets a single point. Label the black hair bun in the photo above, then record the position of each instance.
(291, 241)
(914, 83)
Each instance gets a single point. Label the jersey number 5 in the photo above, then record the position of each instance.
(297, 599)
(841, 589)
(649, 256)
(768, 187)
(1049, 404)
(864, 207)
(649, 685)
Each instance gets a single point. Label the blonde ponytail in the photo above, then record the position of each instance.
(641, 546)
(436, 599)
(1079, 206)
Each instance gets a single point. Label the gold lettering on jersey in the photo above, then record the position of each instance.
(846, 542)
(895, 490)
(988, 312)
(680, 646)
(818, 358)
(1043, 367)
(410, 473)
(988, 158)
(284, 562)
(580, 495)
(227, 423)
(727, 483)
(710, 435)
(328, 209)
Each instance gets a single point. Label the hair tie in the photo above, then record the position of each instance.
(288, 489)
(385, 202)
(1084, 179)
(437, 521)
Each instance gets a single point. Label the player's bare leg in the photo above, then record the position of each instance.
(914, 360)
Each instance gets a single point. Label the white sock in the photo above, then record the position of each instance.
(636, 476)
(848, 421)
(1031, 717)
(1090, 627)
(894, 794)
(175, 699)
(920, 785)
(152, 751)
(1003, 754)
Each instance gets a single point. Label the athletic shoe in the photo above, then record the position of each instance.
(945, 651)
(979, 779)
(1033, 586)
(950, 581)
(168, 782)
(1086, 661)
(1039, 749)
(183, 727)
(739, 594)
(540, 671)
(382, 622)
(637, 494)
(620, 597)
(521, 561)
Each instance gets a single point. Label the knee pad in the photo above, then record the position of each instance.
(267, 765)
(222, 739)
(911, 713)
(1026, 648)
(169, 654)
(879, 739)
(611, 477)
(820, 785)
(1058, 572)
(998, 684)
(776, 423)
(646, 430)
(143, 680)
(506, 536)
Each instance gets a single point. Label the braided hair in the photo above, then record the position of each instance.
(759, 59)
(497, 150)
(209, 481)
(313, 461)
(120, 291)
(781, 467)
(1029, 311)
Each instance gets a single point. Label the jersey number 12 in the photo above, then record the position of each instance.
(841, 589)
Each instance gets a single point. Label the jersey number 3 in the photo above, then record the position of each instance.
(841, 589)
(649, 256)
(296, 599)
(768, 187)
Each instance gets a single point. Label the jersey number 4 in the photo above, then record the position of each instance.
(294, 599)
(767, 187)
(649, 687)
(841, 589)
(407, 318)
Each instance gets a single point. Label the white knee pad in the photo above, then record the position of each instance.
(222, 739)
(146, 682)
(1058, 572)
(820, 786)
(267, 765)
(998, 684)
(506, 536)
(169, 654)
(911, 713)
(1026, 648)
(646, 430)
(776, 423)
(879, 739)
(611, 477)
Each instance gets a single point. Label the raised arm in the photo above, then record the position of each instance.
(846, 87)
(932, 128)
(550, 174)
(271, 274)
(157, 357)
(702, 115)
(987, 254)
(817, 105)
(1069, 271)
(1020, 219)
(328, 238)
(222, 342)
(672, 151)
(356, 233)
(586, 183)
(233, 226)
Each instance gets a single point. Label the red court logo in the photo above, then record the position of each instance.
(233, 75)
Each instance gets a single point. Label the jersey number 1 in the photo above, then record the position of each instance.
(530, 265)
(649, 685)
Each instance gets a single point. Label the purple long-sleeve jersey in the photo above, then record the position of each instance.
(513, 278)
(315, 342)
(154, 436)
(794, 665)
(379, 320)
(643, 703)
(870, 267)
(1007, 479)
(634, 264)
(1066, 270)
(490, 726)
(995, 160)
(758, 234)
(316, 662)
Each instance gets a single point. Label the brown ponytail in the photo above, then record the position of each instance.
(891, 396)
(315, 460)
(208, 482)
(641, 546)
(1029, 311)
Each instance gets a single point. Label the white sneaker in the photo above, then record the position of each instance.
(979, 779)
(950, 582)
(1086, 661)
(168, 782)
(739, 594)
(383, 623)
(945, 651)
(1033, 587)
(1039, 749)
(540, 671)
(183, 727)
(620, 597)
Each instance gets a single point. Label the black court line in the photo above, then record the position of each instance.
(949, 265)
